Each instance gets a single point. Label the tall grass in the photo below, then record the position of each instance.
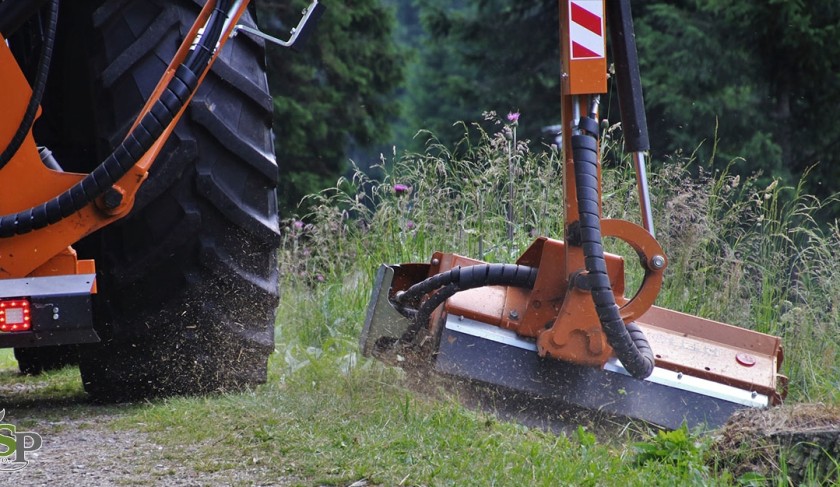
(749, 255)
(756, 257)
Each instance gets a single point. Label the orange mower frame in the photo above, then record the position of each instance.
(536, 327)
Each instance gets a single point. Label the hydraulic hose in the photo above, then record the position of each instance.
(203, 51)
(39, 86)
(471, 277)
(628, 341)
(133, 147)
(427, 308)
(460, 279)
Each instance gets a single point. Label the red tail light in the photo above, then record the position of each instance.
(14, 315)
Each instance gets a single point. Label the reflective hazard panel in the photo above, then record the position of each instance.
(586, 29)
(584, 53)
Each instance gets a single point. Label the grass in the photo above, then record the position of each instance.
(365, 425)
(56, 388)
(748, 255)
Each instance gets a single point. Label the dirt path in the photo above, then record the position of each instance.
(81, 452)
(81, 447)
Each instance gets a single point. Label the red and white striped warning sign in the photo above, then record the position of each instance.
(586, 29)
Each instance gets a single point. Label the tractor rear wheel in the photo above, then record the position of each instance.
(188, 281)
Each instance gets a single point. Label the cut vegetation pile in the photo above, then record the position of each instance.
(801, 440)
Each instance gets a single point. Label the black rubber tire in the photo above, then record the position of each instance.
(35, 360)
(188, 281)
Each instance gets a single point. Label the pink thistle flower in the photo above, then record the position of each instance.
(409, 225)
(298, 224)
(401, 188)
(513, 117)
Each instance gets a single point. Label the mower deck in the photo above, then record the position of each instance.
(509, 367)
(511, 364)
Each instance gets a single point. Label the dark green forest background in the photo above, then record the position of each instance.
(754, 82)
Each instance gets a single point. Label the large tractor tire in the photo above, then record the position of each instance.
(188, 281)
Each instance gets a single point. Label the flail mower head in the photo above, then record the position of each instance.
(555, 327)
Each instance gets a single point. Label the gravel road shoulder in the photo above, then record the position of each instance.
(79, 452)
(82, 446)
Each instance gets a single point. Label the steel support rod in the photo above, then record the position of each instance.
(644, 192)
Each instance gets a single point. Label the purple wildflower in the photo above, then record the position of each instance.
(409, 225)
(401, 188)
(298, 224)
(513, 117)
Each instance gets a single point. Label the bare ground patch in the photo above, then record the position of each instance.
(81, 445)
(79, 452)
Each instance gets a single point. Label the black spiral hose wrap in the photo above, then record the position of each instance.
(460, 279)
(628, 341)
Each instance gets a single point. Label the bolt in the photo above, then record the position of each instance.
(679, 375)
(657, 262)
(55, 312)
(112, 198)
(435, 261)
(514, 315)
(754, 394)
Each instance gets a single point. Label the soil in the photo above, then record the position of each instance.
(80, 447)
(88, 452)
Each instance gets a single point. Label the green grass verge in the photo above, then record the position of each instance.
(326, 419)
(326, 427)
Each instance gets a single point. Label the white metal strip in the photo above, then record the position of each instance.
(47, 286)
(490, 332)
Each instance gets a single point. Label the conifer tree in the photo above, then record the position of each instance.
(335, 95)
